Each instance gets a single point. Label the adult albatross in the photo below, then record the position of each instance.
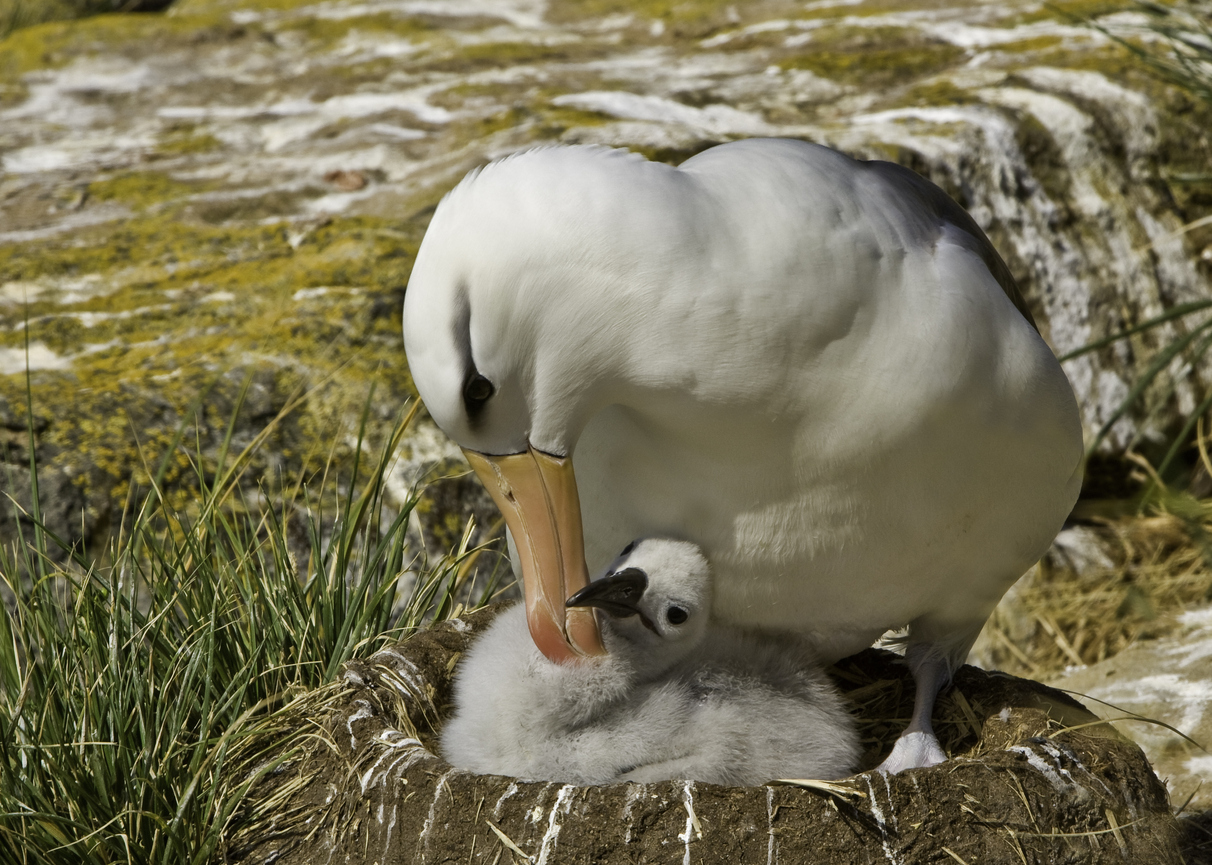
(817, 369)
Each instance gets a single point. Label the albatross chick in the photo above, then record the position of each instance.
(676, 695)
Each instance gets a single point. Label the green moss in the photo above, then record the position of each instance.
(226, 7)
(181, 139)
(1042, 153)
(274, 203)
(58, 43)
(1069, 10)
(667, 10)
(165, 334)
(471, 58)
(873, 56)
(192, 260)
(673, 155)
(1039, 43)
(142, 189)
(457, 95)
(329, 31)
(940, 92)
(555, 120)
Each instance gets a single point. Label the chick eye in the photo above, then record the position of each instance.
(676, 615)
(477, 391)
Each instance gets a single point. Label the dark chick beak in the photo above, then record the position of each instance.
(618, 594)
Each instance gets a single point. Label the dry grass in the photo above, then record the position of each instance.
(1058, 616)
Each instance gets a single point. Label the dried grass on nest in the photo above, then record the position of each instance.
(881, 701)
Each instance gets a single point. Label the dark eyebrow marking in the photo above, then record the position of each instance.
(473, 405)
(462, 330)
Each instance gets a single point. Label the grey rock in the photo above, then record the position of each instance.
(1167, 680)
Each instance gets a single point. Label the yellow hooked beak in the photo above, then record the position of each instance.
(537, 494)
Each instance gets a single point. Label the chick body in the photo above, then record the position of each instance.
(677, 696)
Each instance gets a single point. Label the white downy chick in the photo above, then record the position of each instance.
(677, 696)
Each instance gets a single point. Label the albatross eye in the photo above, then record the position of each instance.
(477, 391)
(676, 615)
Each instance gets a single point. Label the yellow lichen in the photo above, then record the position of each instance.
(141, 188)
(181, 139)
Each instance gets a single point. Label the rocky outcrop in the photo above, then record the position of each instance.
(1157, 687)
(238, 188)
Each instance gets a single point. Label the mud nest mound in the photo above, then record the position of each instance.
(353, 777)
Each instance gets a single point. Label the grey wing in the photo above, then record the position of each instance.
(929, 199)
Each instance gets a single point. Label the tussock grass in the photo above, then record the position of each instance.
(1184, 30)
(133, 686)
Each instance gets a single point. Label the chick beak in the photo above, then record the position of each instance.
(618, 594)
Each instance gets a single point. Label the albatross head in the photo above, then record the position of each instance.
(518, 325)
(656, 598)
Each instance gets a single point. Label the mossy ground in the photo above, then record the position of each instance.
(874, 56)
(189, 309)
(208, 259)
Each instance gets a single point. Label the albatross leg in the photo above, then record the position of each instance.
(935, 651)
(918, 746)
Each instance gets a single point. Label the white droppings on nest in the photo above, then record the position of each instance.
(509, 791)
(459, 625)
(390, 826)
(364, 711)
(1057, 751)
(402, 675)
(891, 811)
(561, 806)
(413, 751)
(693, 830)
(1058, 776)
(771, 846)
(635, 792)
(880, 820)
(1126, 794)
(423, 838)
